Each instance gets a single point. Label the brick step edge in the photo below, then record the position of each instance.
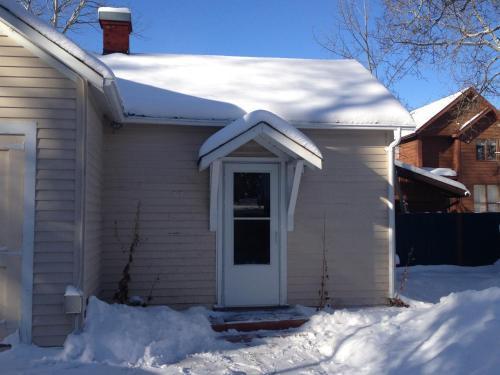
(267, 325)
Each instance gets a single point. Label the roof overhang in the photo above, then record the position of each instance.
(53, 51)
(451, 187)
(267, 129)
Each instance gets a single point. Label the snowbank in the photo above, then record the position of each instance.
(153, 336)
(430, 283)
(459, 335)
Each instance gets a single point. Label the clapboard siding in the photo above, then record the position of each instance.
(157, 166)
(32, 90)
(348, 196)
(93, 201)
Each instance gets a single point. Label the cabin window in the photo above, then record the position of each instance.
(486, 198)
(487, 149)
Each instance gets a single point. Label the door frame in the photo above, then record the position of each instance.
(28, 130)
(282, 226)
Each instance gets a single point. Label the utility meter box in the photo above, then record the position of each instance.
(73, 300)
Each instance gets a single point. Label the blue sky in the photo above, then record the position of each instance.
(274, 28)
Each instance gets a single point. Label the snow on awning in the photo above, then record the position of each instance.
(271, 131)
(452, 187)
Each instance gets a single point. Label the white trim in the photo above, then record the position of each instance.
(283, 235)
(299, 169)
(52, 49)
(11, 32)
(80, 190)
(288, 146)
(391, 209)
(215, 172)
(219, 238)
(251, 159)
(271, 147)
(138, 120)
(228, 147)
(220, 217)
(262, 131)
(28, 129)
(279, 230)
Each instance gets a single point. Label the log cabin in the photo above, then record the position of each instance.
(456, 139)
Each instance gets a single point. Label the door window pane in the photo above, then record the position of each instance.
(251, 195)
(252, 242)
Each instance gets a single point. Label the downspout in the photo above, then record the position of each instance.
(79, 258)
(392, 211)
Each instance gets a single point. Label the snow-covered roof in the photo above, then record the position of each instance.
(55, 37)
(221, 89)
(474, 118)
(423, 114)
(226, 88)
(269, 130)
(434, 179)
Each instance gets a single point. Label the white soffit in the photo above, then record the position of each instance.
(265, 127)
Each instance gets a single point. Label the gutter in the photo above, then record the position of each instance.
(392, 212)
(114, 101)
(141, 120)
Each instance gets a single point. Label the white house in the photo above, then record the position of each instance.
(250, 175)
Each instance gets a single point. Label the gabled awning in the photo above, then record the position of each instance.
(451, 187)
(274, 134)
(267, 129)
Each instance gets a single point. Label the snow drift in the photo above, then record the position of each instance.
(459, 334)
(151, 336)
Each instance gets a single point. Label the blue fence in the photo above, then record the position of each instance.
(463, 239)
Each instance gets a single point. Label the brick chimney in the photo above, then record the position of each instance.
(116, 24)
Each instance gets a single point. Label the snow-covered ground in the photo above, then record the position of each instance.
(452, 326)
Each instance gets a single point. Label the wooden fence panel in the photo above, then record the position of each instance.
(463, 239)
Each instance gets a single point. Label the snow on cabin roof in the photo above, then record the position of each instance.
(56, 37)
(225, 88)
(445, 172)
(423, 114)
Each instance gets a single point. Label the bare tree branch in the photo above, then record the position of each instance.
(461, 36)
(65, 15)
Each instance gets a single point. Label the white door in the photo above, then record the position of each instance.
(251, 261)
(11, 230)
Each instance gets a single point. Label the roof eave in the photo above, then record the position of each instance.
(136, 119)
(51, 48)
(444, 110)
